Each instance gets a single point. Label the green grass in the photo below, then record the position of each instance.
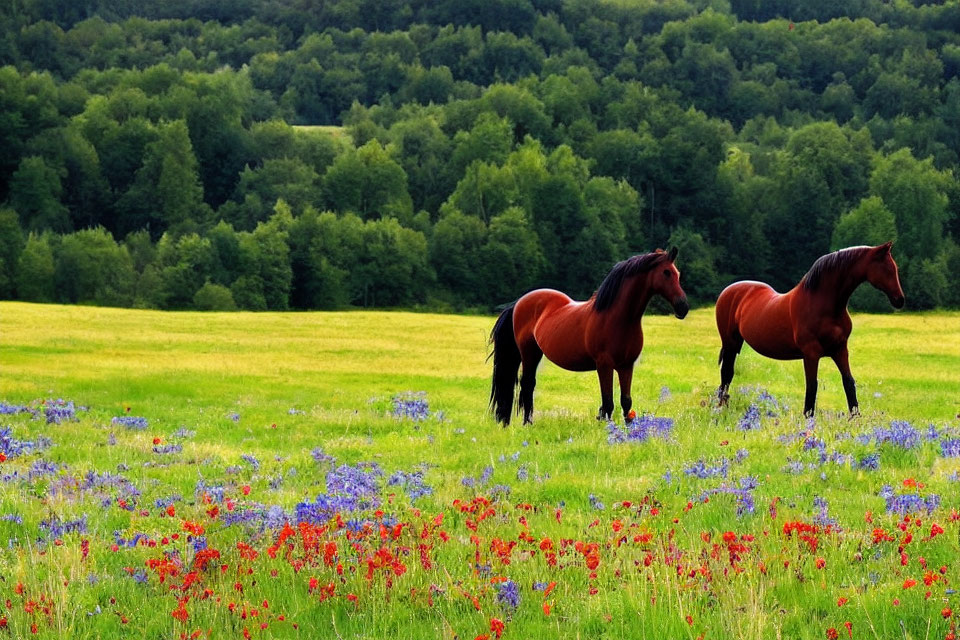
(339, 372)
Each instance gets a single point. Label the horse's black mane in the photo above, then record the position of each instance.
(836, 261)
(610, 287)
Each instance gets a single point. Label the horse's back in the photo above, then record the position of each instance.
(760, 315)
(556, 323)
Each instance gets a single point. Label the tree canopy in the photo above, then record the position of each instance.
(275, 154)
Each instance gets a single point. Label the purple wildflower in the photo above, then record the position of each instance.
(701, 469)
(412, 405)
(950, 448)
(131, 422)
(59, 412)
(321, 457)
(167, 449)
(57, 528)
(508, 595)
(412, 484)
(750, 421)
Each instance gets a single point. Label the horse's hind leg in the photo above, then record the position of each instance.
(732, 343)
(605, 375)
(530, 354)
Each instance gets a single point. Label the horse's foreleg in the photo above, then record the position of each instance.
(605, 375)
(626, 382)
(842, 360)
(810, 365)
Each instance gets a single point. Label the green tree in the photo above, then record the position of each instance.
(455, 254)
(11, 246)
(92, 268)
(171, 169)
(36, 271)
(916, 192)
(35, 192)
(185, 265)
(368, 182)
(870, 223)
(511, 261)
(213, 297)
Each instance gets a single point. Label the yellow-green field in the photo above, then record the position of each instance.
(237, 405)
(342, 360)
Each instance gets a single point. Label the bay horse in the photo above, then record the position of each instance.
(602, 333)
(808, 322)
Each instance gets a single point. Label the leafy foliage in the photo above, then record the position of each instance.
(759, 135)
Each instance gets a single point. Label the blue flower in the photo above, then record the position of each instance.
(57, 528)
(412, 484)
(750, 421)
(412, 405)
(870, 461)
(701, 469)
(950, 448)
(321, 457)
(131, 422)
(639, 429)
(508, 595)
(59, 412)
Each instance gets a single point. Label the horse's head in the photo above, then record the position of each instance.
(882, 273)
(665, 280)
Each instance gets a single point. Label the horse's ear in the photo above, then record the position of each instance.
(673, 254)
(884, 249)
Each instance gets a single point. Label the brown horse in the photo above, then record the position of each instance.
(601, 334)
(809, 322)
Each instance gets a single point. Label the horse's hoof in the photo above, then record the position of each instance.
(854, 413)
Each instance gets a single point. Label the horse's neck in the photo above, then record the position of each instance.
(841, 286)
(633, 301)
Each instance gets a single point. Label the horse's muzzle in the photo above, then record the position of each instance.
(680, 308)
(898, 301)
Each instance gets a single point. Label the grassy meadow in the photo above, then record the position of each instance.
(272, 491)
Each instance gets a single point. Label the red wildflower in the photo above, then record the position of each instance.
(821, 563)
(689, 620)
(909, 582)
(849, 626)
(832, 633)
(180, 613)
(496, 626)
(841, 601)
(547, 607)
(935, 530)
(946, 612)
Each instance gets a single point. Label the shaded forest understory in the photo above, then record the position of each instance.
(275, 154)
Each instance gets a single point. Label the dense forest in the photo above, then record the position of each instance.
(451, 154)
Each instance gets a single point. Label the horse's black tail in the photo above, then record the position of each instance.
(506, 364)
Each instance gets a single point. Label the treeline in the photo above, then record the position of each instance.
(283, 154)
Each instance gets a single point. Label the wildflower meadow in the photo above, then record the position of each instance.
(338, 475)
